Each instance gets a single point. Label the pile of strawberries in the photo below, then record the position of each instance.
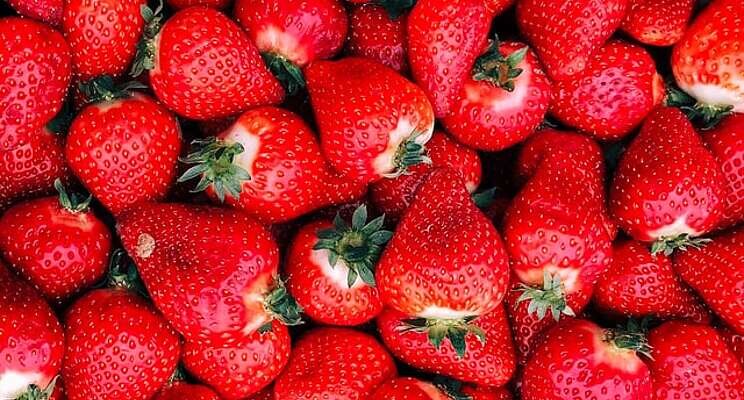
(372, 200)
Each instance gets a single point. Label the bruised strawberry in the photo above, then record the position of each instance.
(186, 391)
(726, 142)
(375, 35)
(657, 22)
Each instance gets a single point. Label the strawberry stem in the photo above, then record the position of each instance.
(282, 306)
(287, 72)
(667, 244)
(104, 89)
(214, 164)
(496, 69)
(144, 58)
(550, 297)
(409, 153)
(438, 329)
(72, 202)
(704, 116)
(632, 336)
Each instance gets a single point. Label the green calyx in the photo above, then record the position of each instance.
(704, 116)
(396, 8)
(34, 392)
(437, 330)
(550, 297)
(451, 387)
(213, 163)
(485, 198)
(71, 202)
(103, 89)
(123, 274)
(144, 58)
(668, 244)
(358, 245)
(409, 153)
(281, 306)
(496, 69)
(632, 336)
(287, 72)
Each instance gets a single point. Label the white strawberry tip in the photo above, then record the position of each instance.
(454, 330)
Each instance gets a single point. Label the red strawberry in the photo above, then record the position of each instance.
(125, 150)
(445, 264)
(657, 22)
(612, 95)
(483, 393)
(31, 340)
(726, 142)
(440, 389)
(496, 7)
(567, 33)
(716, 272)
(117, 347)
(181, 4)
(266, 394)
(392, 196)
(269, 164)
(444, 39)
(47, 11)
(373, 122)
(668, 188)
(57, 243)
(489, 359)
(503, 101)
(578, 359)
(186, 391)
(692, 361)
(333, 363)
(734, 341)
(374, 34)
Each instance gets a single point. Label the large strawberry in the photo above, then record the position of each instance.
(373, 122)
(688, 360)
(726, 142)
(374, 34)
(567, 33)
(668, 188)
(657, 22)
(186, 391)
(334, 363)
(612, 95)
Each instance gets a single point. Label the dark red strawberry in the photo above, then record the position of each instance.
(726, 142)
(375, 35)
(734, 341)
(266, 394)
(47, 11)
(657, 22)
(186, 391)
(439, 389)
(485, 393)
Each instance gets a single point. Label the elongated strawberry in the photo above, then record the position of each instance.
(186, 391)
(726, 142)
(375, 35)
(373, 122)
(567, 34)
(657, 22)
(612, 95)
(269, 164)
(668, 188)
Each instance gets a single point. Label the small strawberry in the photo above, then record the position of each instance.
(47, 11)
(734, 341)
(334, 363)
(726, 142)
(657, 22)
(567, 33)
(375, 35)
(186, 391)
(181, 4)
(612, 95)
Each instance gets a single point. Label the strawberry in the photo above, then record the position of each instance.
(416, 389)
(445, 264)
(504, 99)
(47, 11)
(334, 363)
(117, 347)
(612, 95)
(484, 393)
(692, 361)
(489, 359)
(375, 35)
(266, 394)
(577, 356)
(668, 188)
(57, 243)
(392, 196)
(31, 340)
(734, 341)
(657, 22)
(268, 163)
(496, 7)
(181, 4)
(716, 272)
(291, 34)
(444, 39)
(373, 122)
(124, 150)
(102, 34)
(186, 391)
(567, 34)
(726, 142)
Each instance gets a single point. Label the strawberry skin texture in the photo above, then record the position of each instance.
(692, 361)
(657, 22)
(373, 34)
(31, 337)
(734, 341)
(181, 4)
(726, 142)
(481, 393)
(266, 394)
(334, 363)
(444, 39)
(566, 34)
(487, 117)
(574, 357)
(409, 389)
(612, 95)
(667, 183)
(207, 68)
(707, 61)
(114, 324)
(47, 11)
(446, 260)
(186, 391)
(102, 34)
(716, 272)
(124, 151)
(491, 363)
(207, 269)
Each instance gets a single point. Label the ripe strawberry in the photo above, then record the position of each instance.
(567, 34)
(291, 34)
(31, 340)
(692, 361)
(124, 150)
(577, 356)
(483, 393)
(716, 272)
(117, 347)
(668, 188)
(392, 196)
(440, 389)
(47, 11)
(374, 34)
(734, 341)
(373, 122)
(503, 101)
(181, 4)
(612, 95)
(268, 163)
(334, 363)
(56, 242)
(489, 359)
(445, 264)
(657, 22)
(496, 7)
(186, 391)
(726, 142)
(444, 39)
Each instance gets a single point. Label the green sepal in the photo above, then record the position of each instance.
(408, 154)
(72, 202)
(396, 8)
(144, 58)
(178, 375)
(455, 330)
(282, 306)
(667, 245)
(632, 336)
(451, 387)
(103, 89)
(213, 164)
(60, 124)
(550, 297)
(496, 69)
(485, 198)
(704, 116)
(34, 392)
(287, 72)
(122, 273)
